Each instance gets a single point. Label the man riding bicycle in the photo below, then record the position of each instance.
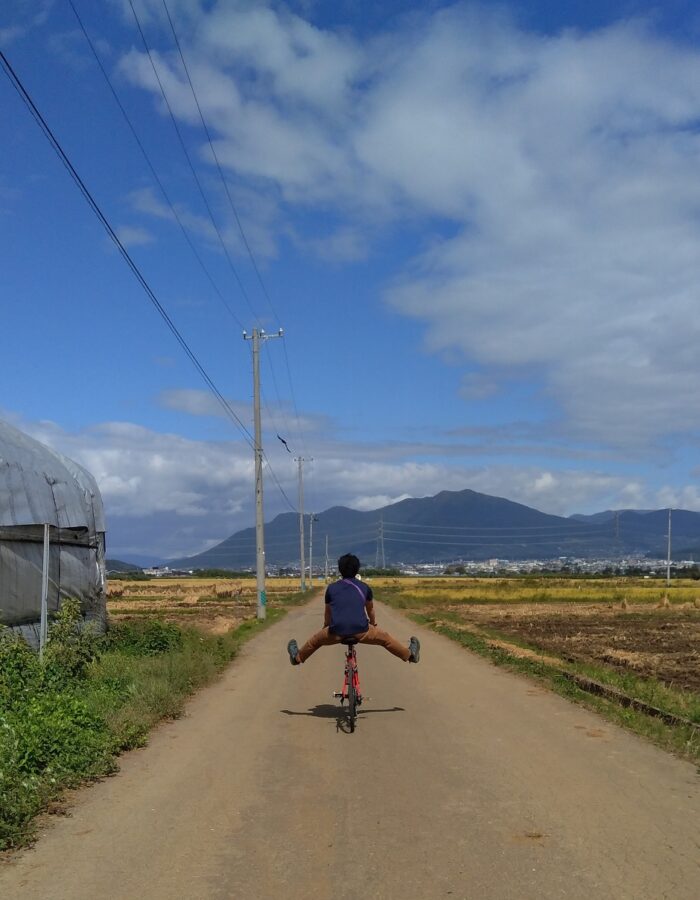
(349, 612)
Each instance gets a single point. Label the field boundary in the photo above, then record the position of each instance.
(587, 684)
(671, 731)
(618, 696)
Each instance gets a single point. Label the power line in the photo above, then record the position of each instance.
(218, 164)
(294, 399)
(544, 541)
(246, 243)
(169, 201)
(248, 545)
(244, 238)
(152, 168)
(191, 165)
(574, 529)
(58, 149)
(501, 536)
(274, 383)
(277, 482)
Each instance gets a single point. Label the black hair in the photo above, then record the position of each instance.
(348, 565)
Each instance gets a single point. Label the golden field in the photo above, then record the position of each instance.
(213, 604)
(631, 625)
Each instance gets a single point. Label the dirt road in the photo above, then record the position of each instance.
(461, 781)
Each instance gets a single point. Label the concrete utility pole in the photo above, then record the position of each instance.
(257, 336)
(325, 571)
(301, 460)
(668, 552)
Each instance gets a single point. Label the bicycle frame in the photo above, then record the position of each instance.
(351, 675)
(351, 686)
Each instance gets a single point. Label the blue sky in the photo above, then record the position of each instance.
(478, 225)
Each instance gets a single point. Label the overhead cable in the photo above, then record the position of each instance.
(153, 171)
(244, 238)
(53, 140)
(542, 542)
(191, 164)
(169, 201)
(581, 528)
(218, 164)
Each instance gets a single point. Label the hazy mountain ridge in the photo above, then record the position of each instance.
(452, 525)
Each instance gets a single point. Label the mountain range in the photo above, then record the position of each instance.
(456, 525)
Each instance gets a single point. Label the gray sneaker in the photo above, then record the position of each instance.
(414, 647)
(293, 651)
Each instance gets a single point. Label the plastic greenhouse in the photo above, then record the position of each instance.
(52, 535)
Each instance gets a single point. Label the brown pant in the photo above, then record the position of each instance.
(373, 635)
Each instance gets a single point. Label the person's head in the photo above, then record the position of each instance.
(348, 565)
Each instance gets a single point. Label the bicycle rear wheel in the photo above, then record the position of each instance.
(352, 705)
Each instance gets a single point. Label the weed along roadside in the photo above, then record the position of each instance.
(626, 649)
(65, 720)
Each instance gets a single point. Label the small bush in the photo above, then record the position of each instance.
(20, 671)
(57, 733)
(71, 646)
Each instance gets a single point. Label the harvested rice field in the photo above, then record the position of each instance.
(212, 604)
(629, 625)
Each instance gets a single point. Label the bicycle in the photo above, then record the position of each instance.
(351, 684)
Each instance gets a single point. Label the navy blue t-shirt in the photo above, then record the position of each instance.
(347, 599)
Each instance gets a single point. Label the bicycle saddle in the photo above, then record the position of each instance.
(349, 642)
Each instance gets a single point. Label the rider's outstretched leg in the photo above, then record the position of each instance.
(378, 636)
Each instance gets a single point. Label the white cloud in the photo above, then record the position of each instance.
(565, 166)
(172, 496)
(202, 403)
(376, 501)
(477, 386)
(134, 235)
(10, 34)
(278, 418)
(20, 17)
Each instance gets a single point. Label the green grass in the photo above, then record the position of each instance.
(66, 720)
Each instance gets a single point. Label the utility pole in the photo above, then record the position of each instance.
(381, 540)
(668, 552)
(312, 519)
(325, 571)
(256, 337)
(301, 460)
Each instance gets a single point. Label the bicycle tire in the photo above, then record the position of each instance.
(352, 703)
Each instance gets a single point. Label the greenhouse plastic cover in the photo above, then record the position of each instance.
(39, 486)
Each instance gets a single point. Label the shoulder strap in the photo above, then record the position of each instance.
(357, 588)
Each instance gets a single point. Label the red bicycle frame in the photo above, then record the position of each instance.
(351, 673)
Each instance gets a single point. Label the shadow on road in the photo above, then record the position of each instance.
(334, 711)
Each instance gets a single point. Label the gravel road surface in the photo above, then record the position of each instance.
(460, 781)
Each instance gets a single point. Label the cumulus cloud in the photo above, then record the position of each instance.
(564, 165)
(173, 496)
